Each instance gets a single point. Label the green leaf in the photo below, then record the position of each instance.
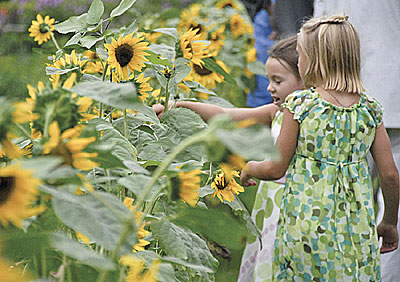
(155, 59)
(196, 86)
(182, 69)
(42, 166)
(212, 65)
(135, 167)
(212, 224)
(95, 12)
(169, 31)
(133, 27)
(163, 50)
(73, 24)
(257, 68)
(256, 137)
(136, 183)
(79, 252)
(185, 245)
(53, 70)
(89, 40)
(123, 6)
(73, 40)
(99, 216)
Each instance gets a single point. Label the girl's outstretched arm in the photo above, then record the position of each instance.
(287, 142)
(263, 114)
(389, 181)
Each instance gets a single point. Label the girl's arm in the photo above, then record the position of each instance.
(287, 142)
(263, 114)
(389, 181)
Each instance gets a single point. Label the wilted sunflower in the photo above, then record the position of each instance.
(18, 191)
(239, 26)
(93, 64)
(205, 76)
(225, 186)
(127, 54)
(192, 48)
(40, 29)
(70, 147)
(137, 272)
(227, 3)
(141, 233)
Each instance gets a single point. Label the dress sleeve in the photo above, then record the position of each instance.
(376, 110)
(299, 103)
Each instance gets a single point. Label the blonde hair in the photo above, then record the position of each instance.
(332, 48)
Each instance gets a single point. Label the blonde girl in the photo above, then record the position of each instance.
(327, 229)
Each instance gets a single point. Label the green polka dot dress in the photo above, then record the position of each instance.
(326, 229)
(256, 265)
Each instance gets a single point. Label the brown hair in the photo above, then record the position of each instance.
(285, 50)
(332, 48)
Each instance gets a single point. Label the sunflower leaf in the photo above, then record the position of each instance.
(73, 40)
(182, 69)
(73, 24)
(169, 31)
(90, 40)
(77, 251)
(257, 68)
(155, 59)
(95, 12)
(212, 65)
(123, 6)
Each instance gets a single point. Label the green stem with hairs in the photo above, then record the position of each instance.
(53, 39)
(166, 96)
(125, 124)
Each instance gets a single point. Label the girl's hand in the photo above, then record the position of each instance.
(245, 178)
(159, 108)
(390, 237)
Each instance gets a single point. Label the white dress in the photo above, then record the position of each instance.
(257, 260)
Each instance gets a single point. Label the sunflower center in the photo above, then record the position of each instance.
(124, 54)
(6, 185)
(195, 26)
(201, 71)
(221, 185)
(227, 5)
(43, 28)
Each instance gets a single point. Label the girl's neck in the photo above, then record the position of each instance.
(338, 98)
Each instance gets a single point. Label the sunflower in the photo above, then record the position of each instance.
(127, 54)
(141, 231)
(205, 76)
(227, 3)
(137, 272)
(192, 48)
(11, 274)
(40, 29)
(70, 147)
(251, 55)
(23, 112)
(18, 191)
(238, 26)
(225, 185)
(93, 64)
(216, 38)
(188, 183)
(142, 86)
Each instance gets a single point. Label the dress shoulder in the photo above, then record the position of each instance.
(300, 103)
(374, 108)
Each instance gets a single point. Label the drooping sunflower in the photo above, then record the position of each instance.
(142, 86)
(70, 147)
(127, 54)
(141, 233)
(19, 189)
(192, 48)
(137, 269)
(239, 26)
(225, 186)
(227, 3)
(187, 185)
(205, 76)
(40, 29)
(93, 64)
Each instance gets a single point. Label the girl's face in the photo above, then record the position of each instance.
(282, 82)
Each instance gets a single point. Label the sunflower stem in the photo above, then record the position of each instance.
(49, 113)
(125, 124)
(25, 132)
(54, 39)
(43, 262)
(166, 96)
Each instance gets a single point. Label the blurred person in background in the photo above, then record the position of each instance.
(378, 25)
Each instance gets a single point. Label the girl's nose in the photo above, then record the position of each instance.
(270, 88)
